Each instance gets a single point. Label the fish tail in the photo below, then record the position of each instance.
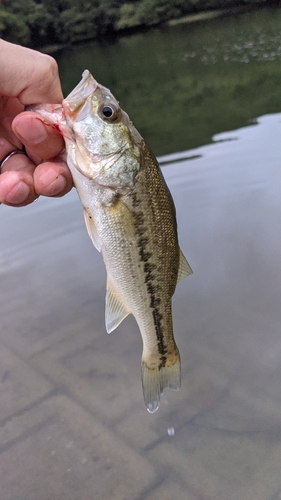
(156, 377)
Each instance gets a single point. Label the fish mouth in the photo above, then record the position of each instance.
(75, 100)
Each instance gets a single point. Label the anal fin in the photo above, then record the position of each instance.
(115, 310)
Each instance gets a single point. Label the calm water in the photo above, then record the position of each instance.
(181, 85)
(73, 424)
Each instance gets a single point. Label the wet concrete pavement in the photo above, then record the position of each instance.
(73, 424)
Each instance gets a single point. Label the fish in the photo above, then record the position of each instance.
(131, 219)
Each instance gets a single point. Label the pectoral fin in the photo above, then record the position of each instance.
(115, 310)
(92, 230)
(184, 268)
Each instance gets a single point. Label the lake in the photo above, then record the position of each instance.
(73, 424)
(183, 84)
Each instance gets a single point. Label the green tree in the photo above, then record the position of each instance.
(13, 29)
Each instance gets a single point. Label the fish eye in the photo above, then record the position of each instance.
(109, 112)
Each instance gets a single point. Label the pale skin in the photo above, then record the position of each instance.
(29, 77)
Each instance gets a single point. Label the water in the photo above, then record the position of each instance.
(182, 85)
(72, 419)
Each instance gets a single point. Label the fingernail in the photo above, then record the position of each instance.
(49, 176)
(53, 182)
(32, 133)
(18, 194)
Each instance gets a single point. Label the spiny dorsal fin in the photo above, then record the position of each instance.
(184, 268)
(92, 231)
(115, 310)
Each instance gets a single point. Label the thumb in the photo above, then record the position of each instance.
(41, 141)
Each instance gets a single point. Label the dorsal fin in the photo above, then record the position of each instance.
(115, 310)
(184, 268)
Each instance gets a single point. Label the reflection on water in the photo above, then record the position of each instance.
(72, 416)
(183, 84)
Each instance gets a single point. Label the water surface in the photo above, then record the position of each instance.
(183, 84)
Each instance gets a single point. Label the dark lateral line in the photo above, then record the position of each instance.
(152, 289)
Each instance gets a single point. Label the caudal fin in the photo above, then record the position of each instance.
(155, 379)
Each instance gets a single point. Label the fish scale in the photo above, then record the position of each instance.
(131, 218)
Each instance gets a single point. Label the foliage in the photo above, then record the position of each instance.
(13, 29)
(43, 22)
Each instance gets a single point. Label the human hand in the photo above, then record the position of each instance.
(29, 77)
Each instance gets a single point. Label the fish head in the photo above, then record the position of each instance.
(101, 132)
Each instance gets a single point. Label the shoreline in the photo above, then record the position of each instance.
(213, 14)
(189, 19)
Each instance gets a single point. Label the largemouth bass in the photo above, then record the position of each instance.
(131, 219)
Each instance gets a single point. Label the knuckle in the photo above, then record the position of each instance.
(48, 76)
(50, 66)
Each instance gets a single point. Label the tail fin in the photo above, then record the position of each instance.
(155, 379)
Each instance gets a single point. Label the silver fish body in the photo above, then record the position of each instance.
(130, 217)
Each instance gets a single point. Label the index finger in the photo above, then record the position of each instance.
(29, 75)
